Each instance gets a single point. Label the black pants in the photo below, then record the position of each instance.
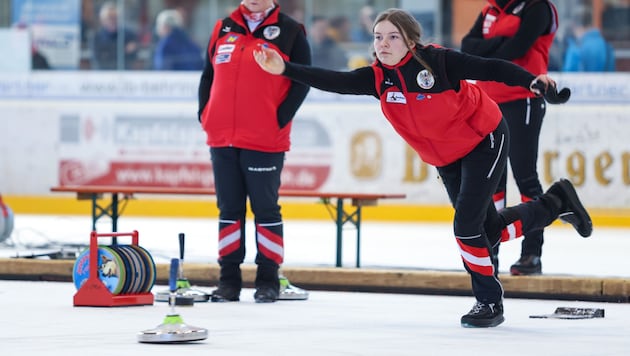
(524, 118)
(239, 174)
(470, 183)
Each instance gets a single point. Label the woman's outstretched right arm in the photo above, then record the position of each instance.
(358, 82)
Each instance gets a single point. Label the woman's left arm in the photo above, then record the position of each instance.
(461, 66)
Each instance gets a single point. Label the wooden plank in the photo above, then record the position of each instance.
(329, 278)
(358, 198)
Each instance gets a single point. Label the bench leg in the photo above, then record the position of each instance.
(339, 221)
(357, 224)
(111, 211)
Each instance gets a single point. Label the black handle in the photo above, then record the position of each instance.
(552, 95)
(181, 246)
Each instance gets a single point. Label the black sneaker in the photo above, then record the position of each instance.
(526, 265)
(225, 293)
(266, 294)
(572, 210)
(484, 315)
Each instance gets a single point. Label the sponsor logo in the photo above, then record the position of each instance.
(227, 29)
(222, 58)
(396, 97)
(232, 39)
(488, 22)
(262, 169)
(226, 48)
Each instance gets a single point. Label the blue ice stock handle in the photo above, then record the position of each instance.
(172, 276)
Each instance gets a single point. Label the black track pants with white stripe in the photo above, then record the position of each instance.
(470, 183)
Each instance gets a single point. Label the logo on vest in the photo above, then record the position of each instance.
(271, 32)
(425, 79)
(226, 48)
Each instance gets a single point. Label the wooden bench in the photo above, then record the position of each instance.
(340, 212)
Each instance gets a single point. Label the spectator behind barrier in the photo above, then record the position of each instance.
(363, 33)
(105, 51)
(175, 50)
(587, 50)
(326, 51)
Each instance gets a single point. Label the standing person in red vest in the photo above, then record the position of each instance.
(520, 31)
(246, 114)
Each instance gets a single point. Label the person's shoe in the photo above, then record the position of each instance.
(572, 210)
(265, 294)
(289, 291)
(484, 315)
(526, 265)
(225, 293)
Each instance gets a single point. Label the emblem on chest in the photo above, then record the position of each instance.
(425, 79)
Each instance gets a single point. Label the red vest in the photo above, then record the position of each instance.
(498, 22)
(244, 99)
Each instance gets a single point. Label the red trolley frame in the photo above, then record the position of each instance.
(94, 293)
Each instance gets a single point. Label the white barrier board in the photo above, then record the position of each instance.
(142, 129)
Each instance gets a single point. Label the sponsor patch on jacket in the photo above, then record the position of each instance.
(271, 32)
(396, 97)
(226, 48)
(222, 58)
(231, 39)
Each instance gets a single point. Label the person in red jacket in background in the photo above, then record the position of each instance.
(246, 114)
(453, 125)
(520, 31)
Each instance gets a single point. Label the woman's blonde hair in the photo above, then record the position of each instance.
(407, 25)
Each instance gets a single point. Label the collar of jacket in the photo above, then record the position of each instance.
(237, 17)
(402, 62)
(501, 5)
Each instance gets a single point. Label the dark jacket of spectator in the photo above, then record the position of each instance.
(177, 51)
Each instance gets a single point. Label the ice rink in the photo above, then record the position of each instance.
(39, 317)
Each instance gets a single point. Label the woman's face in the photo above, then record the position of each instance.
(389, 43)
(257, 5)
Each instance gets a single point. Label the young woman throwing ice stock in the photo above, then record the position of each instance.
(456, 127)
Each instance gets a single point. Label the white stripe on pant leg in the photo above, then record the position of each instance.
(494, 165)
(270, 245)
(229, 239)
(479, 261)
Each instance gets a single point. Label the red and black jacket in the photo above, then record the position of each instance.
(520, 31)
(438, 113)
(240, 105)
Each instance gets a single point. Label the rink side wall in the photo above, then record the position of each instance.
(141, 128)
